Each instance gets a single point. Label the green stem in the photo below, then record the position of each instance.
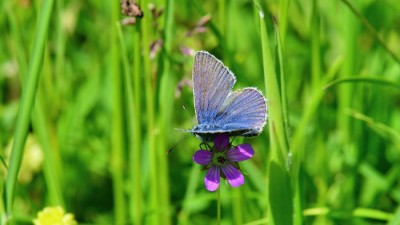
(237, 206)
(129, 108)
(372, 80)
(136, 198)
(283, 19)
(278, 138)
(149, 89)
(51, 164)
(315, 47)
(165, 101)
(280, 200)
(222, 16)
(28, 97)
(60, 53)
(282, 82)
(117, 158)
(219, 206)
(371, 29)
(191, 192)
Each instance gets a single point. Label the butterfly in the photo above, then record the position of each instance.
(219, 109)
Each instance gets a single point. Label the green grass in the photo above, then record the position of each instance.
(84, 87)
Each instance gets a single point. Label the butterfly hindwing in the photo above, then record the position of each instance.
(243, 110)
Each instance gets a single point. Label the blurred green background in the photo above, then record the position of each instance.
(110, 97)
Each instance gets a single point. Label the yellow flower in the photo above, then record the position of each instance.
(54, 216)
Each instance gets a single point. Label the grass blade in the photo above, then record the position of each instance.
(149, 90)
(278, 175)
(27, 101)
(382, 129)
(372, 80)
(40, 125)
(117, 140)
(372, 30)
(165, 101)
(130, 127)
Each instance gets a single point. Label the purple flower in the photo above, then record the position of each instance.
(223, 157)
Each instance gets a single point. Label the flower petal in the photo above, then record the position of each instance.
(212, 178)
(240, 153)
(233, 175)
(221, 141)
(202, 157)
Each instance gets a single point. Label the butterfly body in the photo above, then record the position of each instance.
(220, 110)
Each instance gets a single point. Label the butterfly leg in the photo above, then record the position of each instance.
(204, 146)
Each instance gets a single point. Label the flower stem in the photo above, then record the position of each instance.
(219, 206)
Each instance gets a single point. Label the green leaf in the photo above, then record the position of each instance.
(280, 195)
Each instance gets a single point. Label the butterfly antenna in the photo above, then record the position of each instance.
(173, 147)
(184, 109)
(204, 145)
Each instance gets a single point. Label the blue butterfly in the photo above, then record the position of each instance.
(220, 110)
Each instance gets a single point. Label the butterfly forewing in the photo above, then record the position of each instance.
(212, 82)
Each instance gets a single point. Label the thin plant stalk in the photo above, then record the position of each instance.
(51, 164)
(191, 192)
(27, 101)
(371, 80)
(282, 82)
(39, 123)
(279, 185)
(149, 89)
(283, 18)
(294, 185)
(222, 17)
(315, 49)
(347, 94)
(237, 206)
(166, 101)
(117, 142)
(275, 115)
(60, 54)
(372, 30)
(16, 35)
(219, 206)
(130, 112)
(344, 92)
(136, 193)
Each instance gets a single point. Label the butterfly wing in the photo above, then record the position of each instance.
(212, 83)
(243, 111)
